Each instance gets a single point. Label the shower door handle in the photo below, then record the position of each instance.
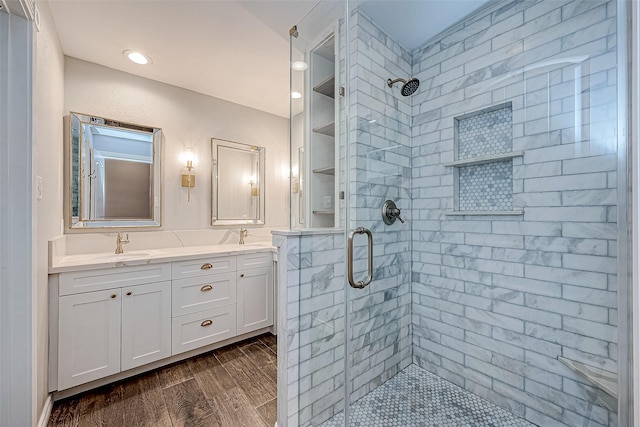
(361, 284)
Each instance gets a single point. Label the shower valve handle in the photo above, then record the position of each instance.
(396, 213)
(390, 213)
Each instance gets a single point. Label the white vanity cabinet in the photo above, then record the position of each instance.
(120, 321)
(101, 333)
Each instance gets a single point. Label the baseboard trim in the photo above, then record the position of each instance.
(46, 411)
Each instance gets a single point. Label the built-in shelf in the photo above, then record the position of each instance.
(323, 120)
(484, 213)
(485, 159)
(323, 212)
(326, 171)
(328, 129)
(326, 87)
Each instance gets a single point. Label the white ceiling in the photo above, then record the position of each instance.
(237, 50)
(413, 22)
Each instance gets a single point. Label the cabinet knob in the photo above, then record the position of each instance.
(206, 323)
(206, 266)
(129, 293)
(206, 288)
(113, 295)
(242, 275)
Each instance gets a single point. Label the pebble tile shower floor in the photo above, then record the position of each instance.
(417, 398)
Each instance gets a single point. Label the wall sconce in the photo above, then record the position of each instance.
(189, 179)
(254, 187)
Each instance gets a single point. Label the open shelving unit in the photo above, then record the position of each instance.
(321, 148)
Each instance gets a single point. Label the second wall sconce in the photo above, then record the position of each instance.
(189, 179)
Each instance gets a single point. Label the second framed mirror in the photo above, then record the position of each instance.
(237, 183)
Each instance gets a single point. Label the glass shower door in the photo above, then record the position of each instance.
(379, 221)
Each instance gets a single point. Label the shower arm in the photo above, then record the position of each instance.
(390, 82)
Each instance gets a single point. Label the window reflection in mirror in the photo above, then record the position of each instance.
(114, 173)
(237, 183)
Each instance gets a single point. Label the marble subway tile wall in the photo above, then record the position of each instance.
(380, 143)
(497, 298)
(312, 329)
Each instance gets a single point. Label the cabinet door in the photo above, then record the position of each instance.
(254, 299)
(89, 337)
(146, 324)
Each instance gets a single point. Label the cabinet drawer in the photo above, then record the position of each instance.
(260, 259)
(199, 329)
(203, 266)
(202, 293)
(109, 278)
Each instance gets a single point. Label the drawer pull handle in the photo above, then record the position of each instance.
(206, 323)
(206, 288)
(129, 293)
(113, 295)
(206, 266)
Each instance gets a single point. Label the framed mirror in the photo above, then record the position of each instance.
(113, 173)
(237, 183)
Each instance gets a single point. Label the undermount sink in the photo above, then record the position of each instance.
(119, 257)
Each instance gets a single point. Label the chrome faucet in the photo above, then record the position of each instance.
(119, 242)
(243, 233)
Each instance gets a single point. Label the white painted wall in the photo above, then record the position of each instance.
(189, 120)
(48, 103)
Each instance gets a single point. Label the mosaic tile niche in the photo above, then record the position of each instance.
(485, 186)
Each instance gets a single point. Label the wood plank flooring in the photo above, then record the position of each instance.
(234, 386)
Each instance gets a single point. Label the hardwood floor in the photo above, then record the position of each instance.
(234, 386)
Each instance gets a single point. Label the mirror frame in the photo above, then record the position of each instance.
(76, 223)
(215, 144)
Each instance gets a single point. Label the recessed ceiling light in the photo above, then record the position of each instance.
(299, 65)
(137, 57)
(296, 95)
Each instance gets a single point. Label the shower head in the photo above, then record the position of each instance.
(408, 88)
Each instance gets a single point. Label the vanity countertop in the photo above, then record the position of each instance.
(152, 256)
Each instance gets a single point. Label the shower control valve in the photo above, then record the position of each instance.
(390, 213)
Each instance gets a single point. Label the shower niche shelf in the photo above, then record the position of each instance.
(485, 159)
(483, 152)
